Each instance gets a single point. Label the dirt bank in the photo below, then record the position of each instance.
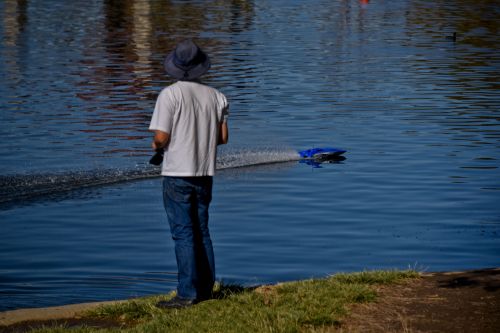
(439, 302)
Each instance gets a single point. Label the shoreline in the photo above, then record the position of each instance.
(68, 311)
(459, 281)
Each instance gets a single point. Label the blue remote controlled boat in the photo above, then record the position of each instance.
(316, 156)
(322, 154)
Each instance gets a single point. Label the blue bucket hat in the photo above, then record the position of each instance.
(187, 61)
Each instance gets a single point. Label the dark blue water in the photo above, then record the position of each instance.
(81, 217)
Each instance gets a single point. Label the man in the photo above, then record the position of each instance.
(189, 121)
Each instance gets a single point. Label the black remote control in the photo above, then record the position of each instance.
(157, 158)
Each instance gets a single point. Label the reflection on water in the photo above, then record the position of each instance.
(416, 109)
(102, 63)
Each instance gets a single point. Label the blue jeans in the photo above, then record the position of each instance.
(186, 201)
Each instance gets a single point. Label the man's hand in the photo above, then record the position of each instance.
(160, 140)
(154, 145)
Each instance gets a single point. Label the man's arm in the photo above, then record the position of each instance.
(223, 133)
(160, 140)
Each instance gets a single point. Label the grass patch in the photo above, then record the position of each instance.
(301, 306)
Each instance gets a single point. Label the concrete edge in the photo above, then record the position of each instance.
(49, 313)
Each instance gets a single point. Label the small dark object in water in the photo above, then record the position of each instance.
(157, 158)
(453, 37)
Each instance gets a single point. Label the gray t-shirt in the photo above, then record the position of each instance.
(191, 113)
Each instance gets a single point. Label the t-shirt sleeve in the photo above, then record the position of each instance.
(163, 114)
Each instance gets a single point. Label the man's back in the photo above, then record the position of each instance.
(191, 113)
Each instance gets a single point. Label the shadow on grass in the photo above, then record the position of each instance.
(226, 290)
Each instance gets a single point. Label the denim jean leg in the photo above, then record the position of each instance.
(177, 201)
(205, 252)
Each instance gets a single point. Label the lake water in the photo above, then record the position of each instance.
(81, 216)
